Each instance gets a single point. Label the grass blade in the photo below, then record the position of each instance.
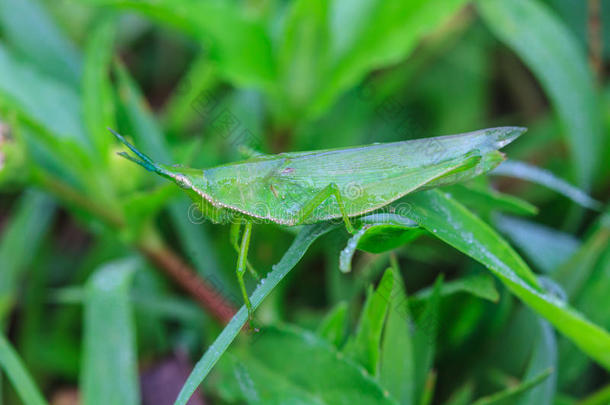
(397, 366)
(547, 248)
(576, 272)
(601, 397)
(552, 53)
(21, 379)
(28, 28)
(451, 222)
(109, 364)
(19, 243)
(547, 179)
(466, 232)
(180, 109)
(333, 327)
(463, 396)
(98, 100)
(424, 345)
(480, 285)
(487, 200)
(586, 292)
(363, 346)
(40, 98)
(544, 357)
(512, 392)
(296, 251)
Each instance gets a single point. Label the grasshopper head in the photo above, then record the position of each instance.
(185, 177)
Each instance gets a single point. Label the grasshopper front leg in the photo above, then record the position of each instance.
(241, 265)
(318, 199)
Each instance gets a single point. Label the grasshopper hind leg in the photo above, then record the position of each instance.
(242, 262)
(331, 190)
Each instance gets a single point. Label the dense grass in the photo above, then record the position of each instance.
(489, 291)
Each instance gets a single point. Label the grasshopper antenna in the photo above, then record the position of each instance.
(143, 160)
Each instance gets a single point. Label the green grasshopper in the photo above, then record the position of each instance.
(335, 184)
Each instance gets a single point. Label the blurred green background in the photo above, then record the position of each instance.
(112, 286)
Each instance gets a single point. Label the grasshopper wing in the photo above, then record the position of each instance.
(369, 177)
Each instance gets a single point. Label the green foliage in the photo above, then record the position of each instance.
(109, 372)
(397, 369)
(542, 41)
(509, 394)
(20, 238)
(452, 223)
(296, 251)
(13, 366)
(31, 31)
(318, 375)
(433, 304)
(363, 347)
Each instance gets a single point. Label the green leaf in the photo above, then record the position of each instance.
(480, 285)
(587, 288)
(109, 363)
(487, 200)
(463, 396)
(40, 98)
(28, 28)
(381, 238)
(363, 347)
(547, 179)
(596, 290)
(242, 53)
(98, 100)
(140, 118)
(299, 246)
(379, 33)
(292, 366)
(140, 207)
(547, 248)
(397, 365)
(601, 397)
(21, 238)
(386, 232)
(304, 52)
(551, 52)
(424, 341)
(333, 327)
(544, 357)
(510, 394)
(19, 376)
(449, 221)
(379, 233)
(574, 274)
(200, 79)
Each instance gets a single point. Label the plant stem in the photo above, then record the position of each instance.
(595, 38)
(203, 292)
